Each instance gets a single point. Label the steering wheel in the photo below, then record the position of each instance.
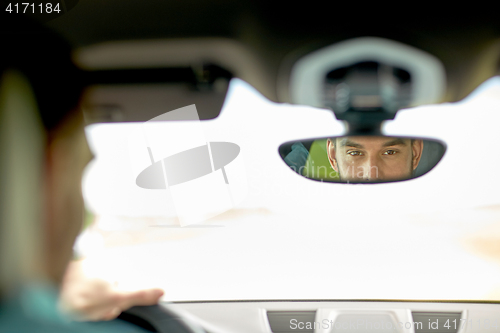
(155, 318)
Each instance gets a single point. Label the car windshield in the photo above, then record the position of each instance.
(432, 238)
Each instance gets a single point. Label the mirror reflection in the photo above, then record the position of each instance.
(362, 159)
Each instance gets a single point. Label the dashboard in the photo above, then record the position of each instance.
(329, 316)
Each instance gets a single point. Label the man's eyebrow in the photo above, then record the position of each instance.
(395, 142)
(349, 143)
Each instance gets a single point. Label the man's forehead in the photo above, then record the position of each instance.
(366, 141)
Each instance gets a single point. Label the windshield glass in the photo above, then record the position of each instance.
(433, 237)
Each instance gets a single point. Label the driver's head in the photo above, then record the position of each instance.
(42, 153)
(374, 158)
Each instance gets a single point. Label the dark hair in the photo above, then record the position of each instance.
(45, 59)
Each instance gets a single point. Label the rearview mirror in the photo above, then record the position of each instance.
(362, 159)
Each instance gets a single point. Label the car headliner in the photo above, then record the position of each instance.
(467, 44)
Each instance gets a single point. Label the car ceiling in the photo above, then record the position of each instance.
(468, 44)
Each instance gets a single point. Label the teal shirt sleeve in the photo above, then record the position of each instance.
(35, 309)
(297, 158)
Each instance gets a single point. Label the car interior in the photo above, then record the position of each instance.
(357, 65)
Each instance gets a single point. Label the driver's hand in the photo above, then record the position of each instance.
(91, 299)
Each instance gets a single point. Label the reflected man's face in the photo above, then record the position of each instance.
(375, 158)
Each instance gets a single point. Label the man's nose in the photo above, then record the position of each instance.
(371, 169)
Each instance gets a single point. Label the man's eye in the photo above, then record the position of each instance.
(354, 153)
(390, 152)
